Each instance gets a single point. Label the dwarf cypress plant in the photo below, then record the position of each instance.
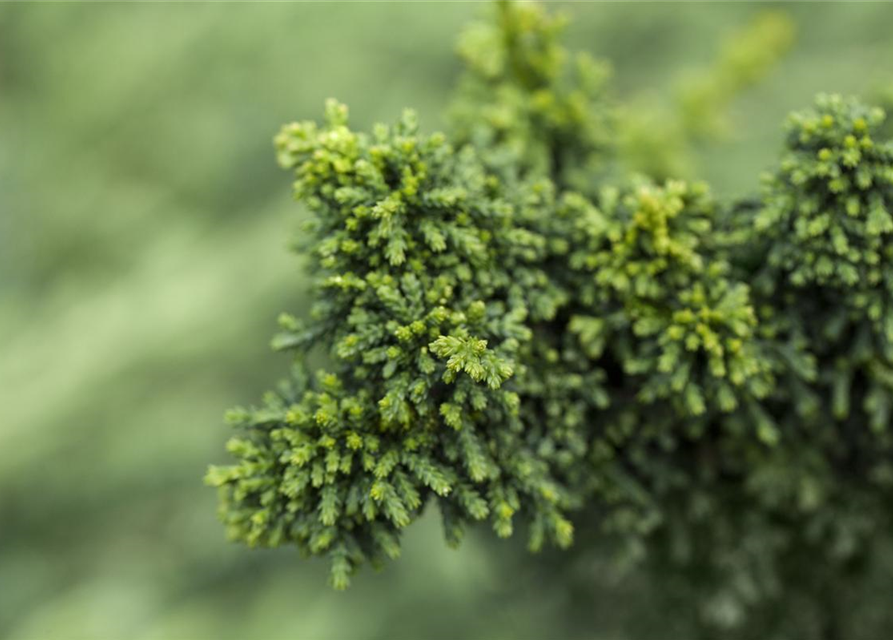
(518, 333)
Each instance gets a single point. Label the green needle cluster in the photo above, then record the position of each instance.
(514, 333)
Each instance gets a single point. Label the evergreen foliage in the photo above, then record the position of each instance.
(525, 103)
(517, 332)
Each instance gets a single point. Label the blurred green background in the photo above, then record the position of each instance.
(144, 232)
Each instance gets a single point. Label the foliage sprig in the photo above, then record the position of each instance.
(516, 333)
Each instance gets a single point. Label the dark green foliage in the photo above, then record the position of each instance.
(827, 280)
(662, 298)
(428, 281)
(516, 338)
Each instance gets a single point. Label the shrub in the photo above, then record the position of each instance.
(520, 331)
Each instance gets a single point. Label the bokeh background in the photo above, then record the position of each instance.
(144, 234)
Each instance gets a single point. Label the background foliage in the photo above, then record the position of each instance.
(143, 251)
